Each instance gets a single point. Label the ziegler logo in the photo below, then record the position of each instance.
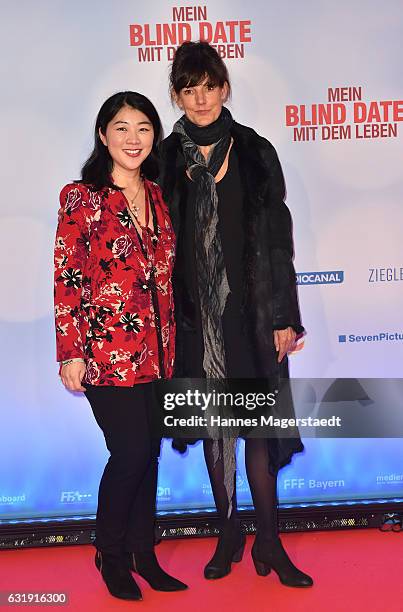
(385, 275)
(73, 497)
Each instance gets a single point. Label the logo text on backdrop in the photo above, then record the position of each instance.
(156, 42)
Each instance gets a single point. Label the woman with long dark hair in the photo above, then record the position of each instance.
(115, 327)
(236, 305)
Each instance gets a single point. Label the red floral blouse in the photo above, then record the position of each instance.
(109, 307)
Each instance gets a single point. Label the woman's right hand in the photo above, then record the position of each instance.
(72, 374)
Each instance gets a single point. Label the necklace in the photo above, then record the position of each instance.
(134, 209)
(146, 236)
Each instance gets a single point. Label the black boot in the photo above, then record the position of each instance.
(270, 554)
(146, 565)
(230, 547)
(117, 577)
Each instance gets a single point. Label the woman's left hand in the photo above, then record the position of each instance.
(284, 341)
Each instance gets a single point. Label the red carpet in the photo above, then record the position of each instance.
(354, 571)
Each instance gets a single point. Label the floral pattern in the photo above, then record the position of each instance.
(103, 304)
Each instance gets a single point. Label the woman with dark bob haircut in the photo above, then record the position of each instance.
(236, 304)
(115, 330)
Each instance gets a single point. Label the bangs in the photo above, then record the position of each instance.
(197, 77)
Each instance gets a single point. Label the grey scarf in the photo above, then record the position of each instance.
(211, 273)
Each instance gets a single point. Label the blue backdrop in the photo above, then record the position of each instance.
(344, 190)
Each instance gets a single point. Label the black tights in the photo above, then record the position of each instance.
(262, 483)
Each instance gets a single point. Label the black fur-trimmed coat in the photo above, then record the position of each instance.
(270, 296)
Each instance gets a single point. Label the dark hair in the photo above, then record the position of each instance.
(98, 167)
(193, 61)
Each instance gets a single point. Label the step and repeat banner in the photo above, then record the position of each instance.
(323, 82)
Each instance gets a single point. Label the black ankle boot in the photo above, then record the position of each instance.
(117, 576)
(146, 565)
(270, 554)
(230, 547)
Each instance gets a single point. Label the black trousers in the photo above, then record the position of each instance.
(128, 487)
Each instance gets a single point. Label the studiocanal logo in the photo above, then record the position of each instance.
(379, 337)
(329, 277)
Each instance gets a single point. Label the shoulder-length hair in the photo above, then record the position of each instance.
(97, 170)
(193, 62)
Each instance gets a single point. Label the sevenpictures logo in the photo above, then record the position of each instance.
(75, 497)
(378, 337)
(329, 277)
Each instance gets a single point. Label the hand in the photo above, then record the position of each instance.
(284, 341)
(72, 375)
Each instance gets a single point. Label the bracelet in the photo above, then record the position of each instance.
(68, 361)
